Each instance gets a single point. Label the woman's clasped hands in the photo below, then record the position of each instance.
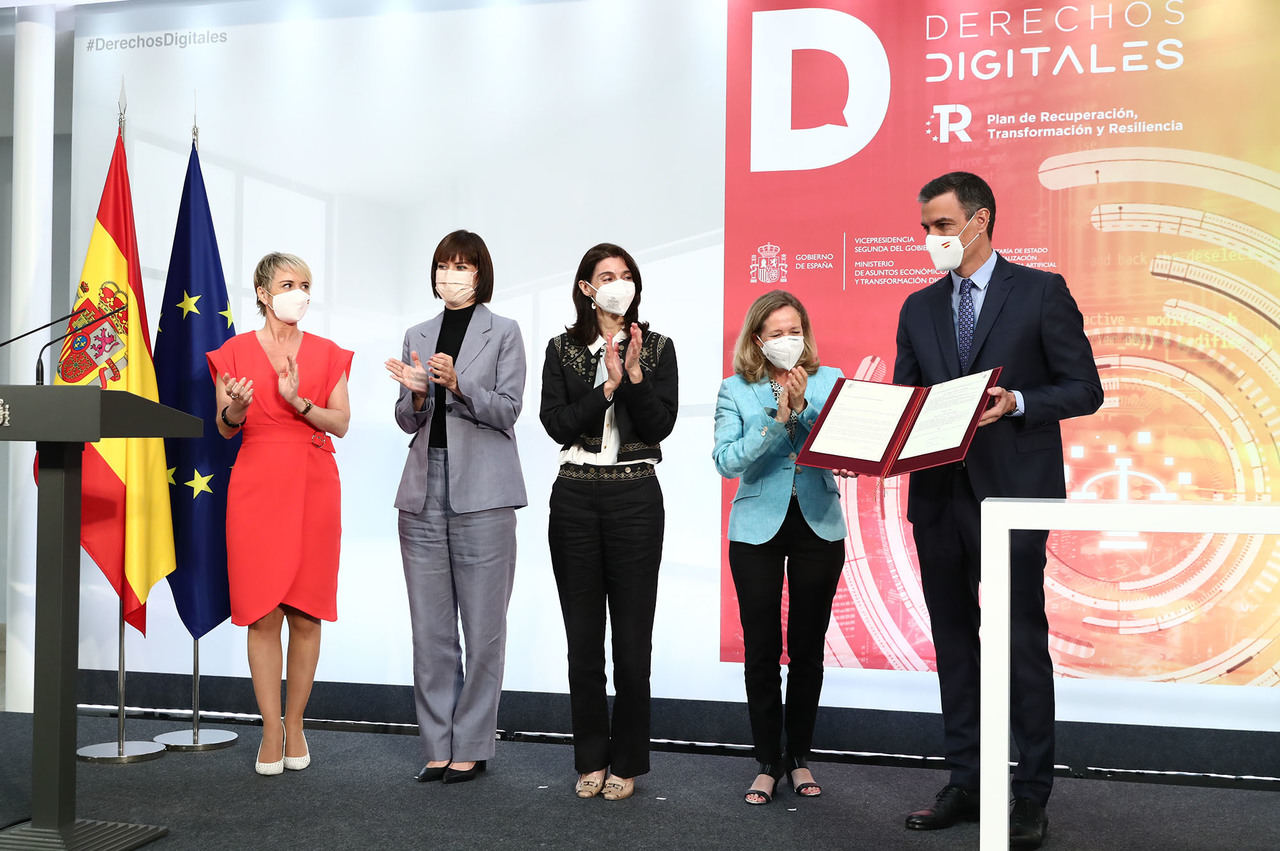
(614, 363)
(418, 377)
(792, 400)
(239, 393)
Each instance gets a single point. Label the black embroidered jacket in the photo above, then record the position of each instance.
(573, 408)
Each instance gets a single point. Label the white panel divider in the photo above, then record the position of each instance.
(1002, 516)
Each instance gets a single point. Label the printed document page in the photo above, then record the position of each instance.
(862, 420)
(945, 416)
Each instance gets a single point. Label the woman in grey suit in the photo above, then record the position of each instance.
(462, 382)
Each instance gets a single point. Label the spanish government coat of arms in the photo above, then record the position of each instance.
(97, 344)
(768, 265)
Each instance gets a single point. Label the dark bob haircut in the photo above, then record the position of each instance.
(586, 328)
(469, 248)
(972, 192)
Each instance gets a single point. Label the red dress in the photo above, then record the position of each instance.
(284, 507)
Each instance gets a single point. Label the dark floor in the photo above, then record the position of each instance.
(358, 793)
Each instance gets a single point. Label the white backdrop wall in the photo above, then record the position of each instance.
(357, 135)
(357, 141)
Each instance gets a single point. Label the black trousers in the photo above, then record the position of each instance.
(812, 569)
(606, 546)
(949, 551)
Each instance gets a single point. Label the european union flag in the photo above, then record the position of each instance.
(196, 318)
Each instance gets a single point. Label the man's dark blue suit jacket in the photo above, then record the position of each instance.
(1031, 328)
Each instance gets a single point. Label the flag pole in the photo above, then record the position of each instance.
(195, 739)
(120, 751)
(182, 740)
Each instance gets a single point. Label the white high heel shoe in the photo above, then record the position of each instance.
(267, 769)
(297, 763)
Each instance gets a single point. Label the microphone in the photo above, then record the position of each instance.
(41, 328)
(40, 354)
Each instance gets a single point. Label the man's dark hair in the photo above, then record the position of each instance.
(972, 192)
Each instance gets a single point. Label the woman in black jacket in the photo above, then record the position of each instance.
(609, 397)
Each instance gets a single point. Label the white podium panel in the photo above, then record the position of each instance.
(1002, 516)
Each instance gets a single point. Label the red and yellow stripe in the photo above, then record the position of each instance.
(126, 526)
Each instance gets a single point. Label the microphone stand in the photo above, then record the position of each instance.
(40, 354)
(41, 328)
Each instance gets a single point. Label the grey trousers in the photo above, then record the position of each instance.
(457, 566)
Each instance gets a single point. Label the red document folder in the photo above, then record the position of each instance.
(822, 450)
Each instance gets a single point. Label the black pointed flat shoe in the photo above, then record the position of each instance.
(462, 775)
(430, 773)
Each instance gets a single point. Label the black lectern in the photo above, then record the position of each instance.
(60, 420)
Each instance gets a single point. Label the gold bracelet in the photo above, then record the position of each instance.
(310, 404)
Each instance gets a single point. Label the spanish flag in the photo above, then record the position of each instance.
(125, 523)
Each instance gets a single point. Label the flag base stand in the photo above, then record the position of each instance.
(120, 752)
(195, 739)
(80, 834)
(190, 740)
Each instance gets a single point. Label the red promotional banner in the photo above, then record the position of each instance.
(1129, 150)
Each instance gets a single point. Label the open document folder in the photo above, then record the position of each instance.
(890, 429)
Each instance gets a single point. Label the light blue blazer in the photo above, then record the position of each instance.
(753, 447)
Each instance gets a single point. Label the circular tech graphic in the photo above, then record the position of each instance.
(1181, 294)
(1183, 311)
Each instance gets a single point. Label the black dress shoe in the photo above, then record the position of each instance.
(462, 775)
(1028, 824)
(430, 773)
(954, 803)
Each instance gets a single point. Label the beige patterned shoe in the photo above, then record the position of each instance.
(588, 785)
(617, 789)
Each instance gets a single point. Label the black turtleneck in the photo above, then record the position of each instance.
(452, 329)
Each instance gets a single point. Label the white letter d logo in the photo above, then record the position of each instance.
(775, 145)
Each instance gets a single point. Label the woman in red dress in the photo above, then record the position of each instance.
(288, 393)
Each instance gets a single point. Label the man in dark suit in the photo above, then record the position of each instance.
(989, 312)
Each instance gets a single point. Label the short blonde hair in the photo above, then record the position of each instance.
(272, 263)
(748, 360)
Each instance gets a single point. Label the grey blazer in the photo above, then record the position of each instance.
(484, 466)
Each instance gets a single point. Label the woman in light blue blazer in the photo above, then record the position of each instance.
(461, 376)
(786, 519)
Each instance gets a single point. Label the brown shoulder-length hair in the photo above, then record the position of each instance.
(748, 360)
(469, 248)
(586, 328)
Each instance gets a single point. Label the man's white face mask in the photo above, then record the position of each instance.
(947, 252)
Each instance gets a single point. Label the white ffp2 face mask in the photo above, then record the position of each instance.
(290, 306)
(615, 297)
(455, 287)
(783, 352)
(947, 252)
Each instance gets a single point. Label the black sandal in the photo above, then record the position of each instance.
(793, 763)
(775, 771)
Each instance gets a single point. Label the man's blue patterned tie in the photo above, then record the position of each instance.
(966, 322)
